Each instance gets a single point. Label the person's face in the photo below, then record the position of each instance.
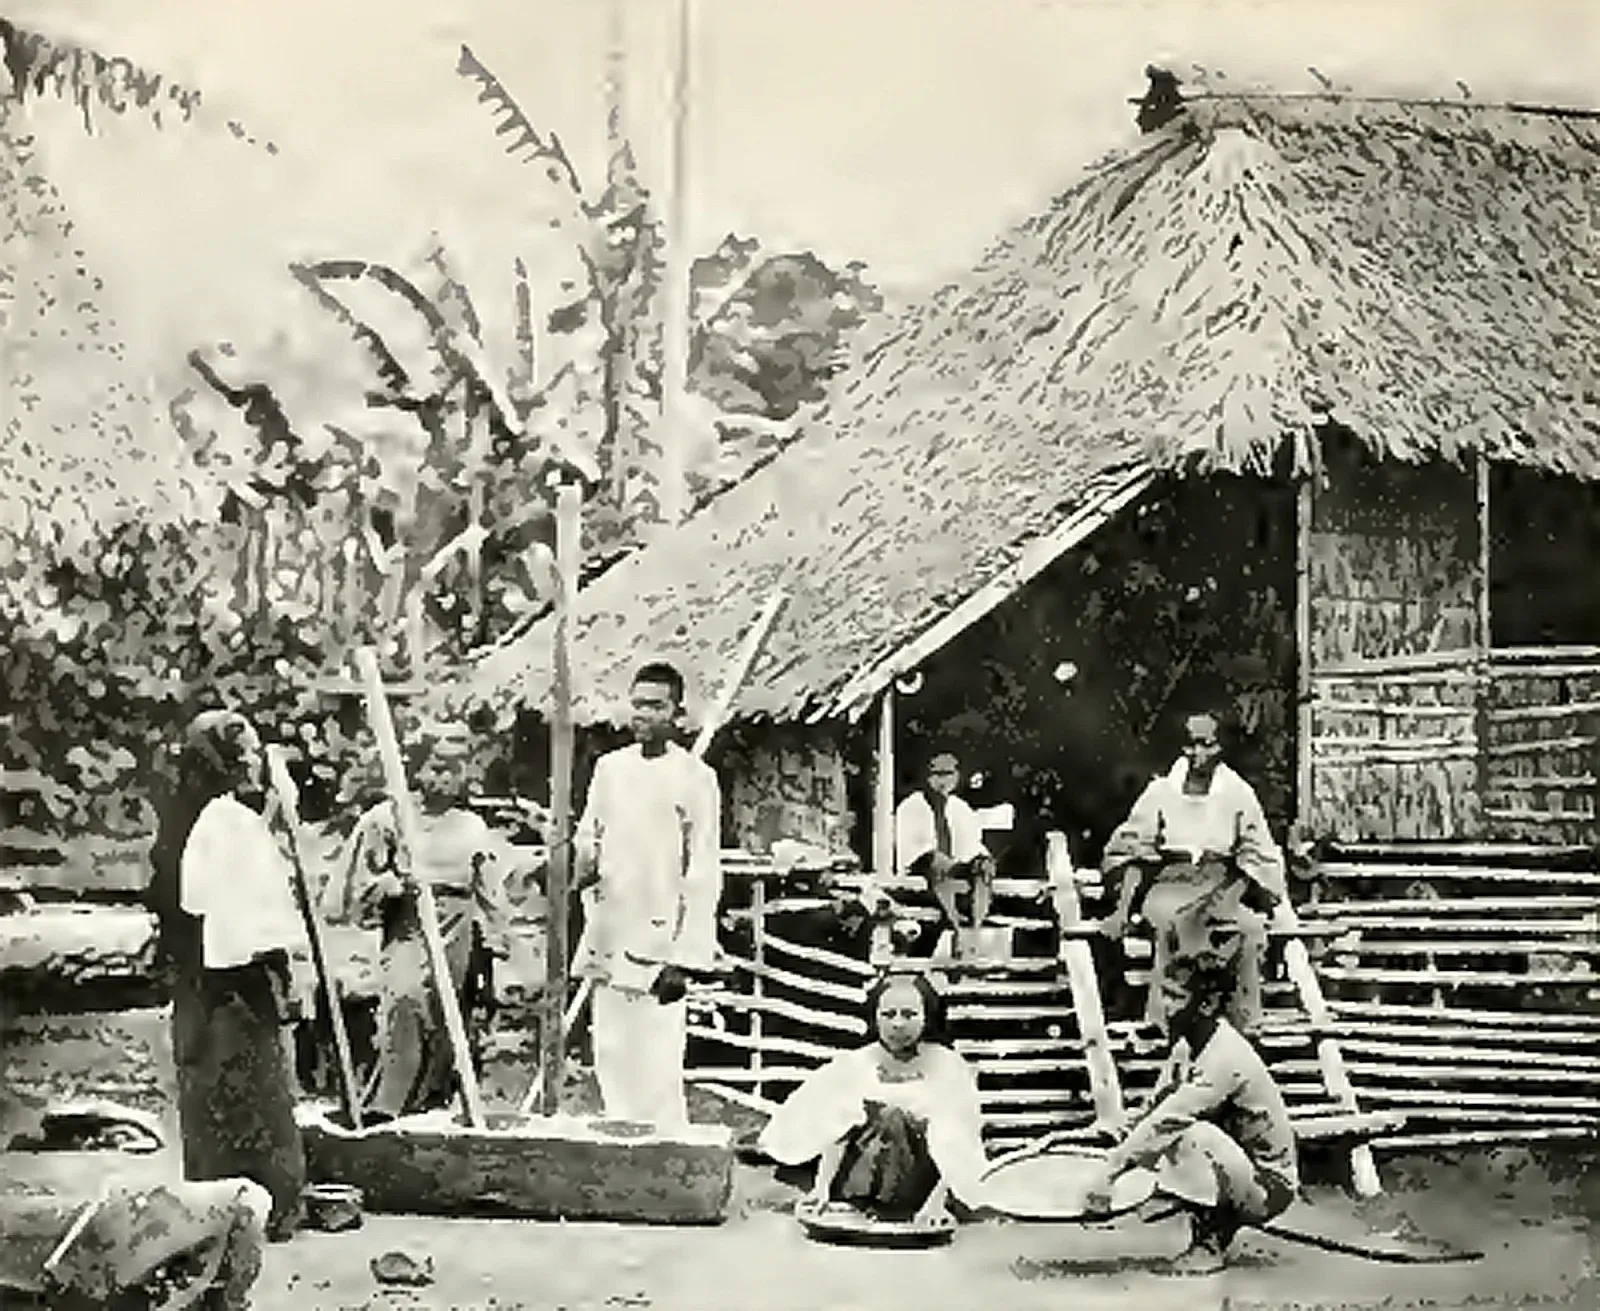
(654, 710)
(944, 777)
(1200, 744)
(900, 1018)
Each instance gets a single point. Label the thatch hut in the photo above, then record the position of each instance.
(1347, 350)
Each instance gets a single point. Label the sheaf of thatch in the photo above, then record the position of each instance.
(1424, 275)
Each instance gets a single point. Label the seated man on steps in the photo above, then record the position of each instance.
(1197, 860)
(1217, 1131)
(937, 836)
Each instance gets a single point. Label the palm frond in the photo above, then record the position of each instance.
(511, 121)
(460, 354)
(43, 65)
(390, 370)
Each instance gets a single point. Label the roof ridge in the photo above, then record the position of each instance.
(1397, 102)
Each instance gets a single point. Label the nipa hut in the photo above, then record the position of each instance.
(1313, 380)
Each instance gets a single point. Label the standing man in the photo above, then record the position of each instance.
(1197, 860)
(649, 865)
(937, 836)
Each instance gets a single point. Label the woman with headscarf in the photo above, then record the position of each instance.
(229, 926)
(375, 886)
(896, 1124)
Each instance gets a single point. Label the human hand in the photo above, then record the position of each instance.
(1114, 925)
(670, 985)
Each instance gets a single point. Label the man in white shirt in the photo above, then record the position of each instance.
(649, 867)
(1197, 860)
(937, 836)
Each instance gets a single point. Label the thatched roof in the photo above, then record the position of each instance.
(1421, 274)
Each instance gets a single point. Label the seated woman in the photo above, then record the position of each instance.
(896, 1124)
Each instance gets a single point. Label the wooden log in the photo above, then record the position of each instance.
(394, 771)
(816, 1018)
(850, 994)
(541, 1168)
(1363, 1170)
(1477, 947)
(1518, 1074)
(1480, 1138)
(1029, 1097)
(760, 971)
(1526, 1020)
(1411, 872)
(1571, 743)
(1459, 978)
(1345, 1128)
(733, 1075)
(1347, 910)
(1504, 1116)
(1085, 986)
(284, 795)
(1488, 1055)
(1440, 1029)
(883, 789)
(768, 1042)
(1498, 1098)
(820, 956)
(963, 988)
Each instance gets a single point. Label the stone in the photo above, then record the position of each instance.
(555, 1168)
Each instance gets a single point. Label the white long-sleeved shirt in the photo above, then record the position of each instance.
(234, 877)
(653, 827)
(915, 834)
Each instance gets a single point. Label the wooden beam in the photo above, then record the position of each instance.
(552, 1048)
(1079, 960)
(674, 493)
(1305, 716)
(1037, 556)
(1484, 636)
(883, 779)
(427, 912)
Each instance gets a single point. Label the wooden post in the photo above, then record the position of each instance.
(883, 816)
(758, 950)
(1086, 1004)
(1305, 691)
(675, 285)
(283, 793)
(569, 522)
(1363, 1170)
(427, 912)
(1485, 644)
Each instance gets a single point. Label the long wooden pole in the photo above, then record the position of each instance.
(883, 817)
(427, 912)
(675, 287)
(1485, 640)
(569, 547)
(1305, 690)
(283, 794)
(1090, 1012)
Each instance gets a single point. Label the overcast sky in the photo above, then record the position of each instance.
(905, 133)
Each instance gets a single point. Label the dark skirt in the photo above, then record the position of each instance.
(236, 1087)
(887, 1170)
(416, 1066)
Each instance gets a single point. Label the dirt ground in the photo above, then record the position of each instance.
(1536, 1219)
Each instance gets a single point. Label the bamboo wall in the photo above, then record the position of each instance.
(1542, 746)
(785, 781)
(1393, 579)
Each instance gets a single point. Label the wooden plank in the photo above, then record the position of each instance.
(1460, 978)
(1528, 1019)
(1297, 962)
(883, 804)
(1344, 910)
(851, 994)
(1517, 714)
(1498, 1099)
(395, 778)
(1084, 985)
(1576, 743)
(816, 1018)
(1473, 1055)
(1330, 870)
(1436, 1074)
(832, 959)
(1486, 1137)
(1304, 515)
(1512, 655)
(1442, 1031)
(768, 1042)
(733, 1075)
(1476, 947)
